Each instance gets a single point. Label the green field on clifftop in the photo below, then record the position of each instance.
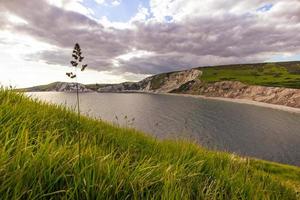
(284, 74)
(39, 160)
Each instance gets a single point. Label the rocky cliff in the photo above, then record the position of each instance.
(161, 83)
(238, 90)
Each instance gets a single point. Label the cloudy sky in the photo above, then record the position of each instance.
(127, 40)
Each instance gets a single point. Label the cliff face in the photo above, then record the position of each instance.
(71, 87)
(122, 87)
(172, 81)
(162, 83)
(238, 90)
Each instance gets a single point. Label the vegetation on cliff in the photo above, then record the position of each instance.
(284, 74)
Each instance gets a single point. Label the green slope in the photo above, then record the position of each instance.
(284, 74)
(39, 160)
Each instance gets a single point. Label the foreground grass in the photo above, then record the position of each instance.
(39, 160)
(285, 74)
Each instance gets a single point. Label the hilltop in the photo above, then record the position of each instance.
(39, 160)
(280, 74)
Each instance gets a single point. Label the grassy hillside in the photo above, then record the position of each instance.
(284, 74)
(39, 160)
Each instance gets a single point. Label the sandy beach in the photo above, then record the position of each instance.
(241, 101)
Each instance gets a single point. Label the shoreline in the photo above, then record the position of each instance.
(240, 101)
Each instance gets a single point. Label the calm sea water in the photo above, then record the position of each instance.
(244, 129)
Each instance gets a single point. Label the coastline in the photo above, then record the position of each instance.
(240, 101)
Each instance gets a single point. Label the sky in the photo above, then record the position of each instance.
(128, 40)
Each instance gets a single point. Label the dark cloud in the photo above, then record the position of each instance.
(50, 57)
(225, 37)
(177, 61)
(194, 41)
(63, 58)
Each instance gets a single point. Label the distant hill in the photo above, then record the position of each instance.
(58, 87)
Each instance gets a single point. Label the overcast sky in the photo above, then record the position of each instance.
(127, 40)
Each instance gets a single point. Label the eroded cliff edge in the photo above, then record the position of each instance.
(237, 90)
(161, 83)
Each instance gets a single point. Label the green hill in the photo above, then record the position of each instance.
(281, 74)
(39, 160)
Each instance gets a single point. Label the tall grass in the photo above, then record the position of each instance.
(39, 160)
(76, 63)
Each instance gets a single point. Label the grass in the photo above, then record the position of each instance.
(285, 74)
(39, 160)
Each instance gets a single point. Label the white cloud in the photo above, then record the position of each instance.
(183, 9)
(15, 19)
(100, 1)
(141, 16)
(116, 2)
(109, 2)
(20, 45)
(135, 54)
(118, 25)
(72, 5)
